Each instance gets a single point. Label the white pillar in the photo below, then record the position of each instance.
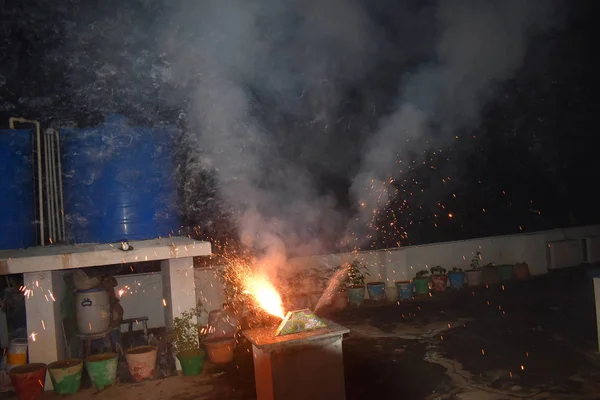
(43, 294)
(178, 289)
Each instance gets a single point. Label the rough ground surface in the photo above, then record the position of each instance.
(525, 340)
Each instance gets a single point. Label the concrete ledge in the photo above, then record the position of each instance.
(59, 257)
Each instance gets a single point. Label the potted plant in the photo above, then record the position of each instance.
(490, 274)
(183, 335)
(456, 278)
(474, 274)
(506, 272)
(421, 282)
(439, 279)
(522, 271)
(356, 282)
(376, 290)
(404, 290)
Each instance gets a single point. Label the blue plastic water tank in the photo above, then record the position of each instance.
(17, 202)
(119, 182)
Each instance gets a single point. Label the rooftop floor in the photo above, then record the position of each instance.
(534, 339)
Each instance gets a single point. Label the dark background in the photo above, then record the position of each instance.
(531, 165)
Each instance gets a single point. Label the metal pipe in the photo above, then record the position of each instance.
(56, 210)
(11, 122)
(50, 182)
(48, 187)
(61, 203)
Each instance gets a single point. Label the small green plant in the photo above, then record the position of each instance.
(356, 274)
(438, 270)
(455, 269)
(476, 262)
(424, 273)
(184, 334)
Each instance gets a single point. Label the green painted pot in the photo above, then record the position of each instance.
(356, 295)
(421, 285)
(102, 369)
(66, 376)
(506, 272)
(192, 362)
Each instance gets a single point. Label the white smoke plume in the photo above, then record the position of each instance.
(299, 57)
(480, 45)
(294, 54)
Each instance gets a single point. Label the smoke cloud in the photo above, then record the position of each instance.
(241, 58)
(480, 45)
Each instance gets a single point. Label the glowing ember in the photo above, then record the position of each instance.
(265, 294)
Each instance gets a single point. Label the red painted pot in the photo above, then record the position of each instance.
(439, 282)
(141, 361)
(29, 380)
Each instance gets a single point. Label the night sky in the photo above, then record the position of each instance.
(530, 164)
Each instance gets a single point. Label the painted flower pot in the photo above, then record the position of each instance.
(522, 271)
(141, 361)
(439, 282)
(66, 376)
(376, 291)
(506, 272)
(474, 277)
(220, 351)
(404, 289)
(490, 275)
(29, 380)
(339, 300)
(102, 369)
(356, 295)
(457, 279)
(421, 285)
(192, 362)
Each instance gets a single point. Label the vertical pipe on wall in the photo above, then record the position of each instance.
(11, 122)
(61, 202)
(53, 186)
(48, 186)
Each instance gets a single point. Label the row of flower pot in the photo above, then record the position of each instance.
(439, 281)
(29, 380)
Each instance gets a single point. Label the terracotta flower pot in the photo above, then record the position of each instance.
(220, 351)
(142, 362)
(522, 271)
(28, 380)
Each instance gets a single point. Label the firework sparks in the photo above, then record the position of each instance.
(265, 294)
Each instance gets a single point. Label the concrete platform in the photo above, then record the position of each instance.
(43, 270)
(60, 257)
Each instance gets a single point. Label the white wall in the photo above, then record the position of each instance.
(141, 295)
(145, 291)
(403, 263)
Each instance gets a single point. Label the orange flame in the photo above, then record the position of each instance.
(265, 294)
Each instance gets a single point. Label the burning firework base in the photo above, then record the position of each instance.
(299, 359)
